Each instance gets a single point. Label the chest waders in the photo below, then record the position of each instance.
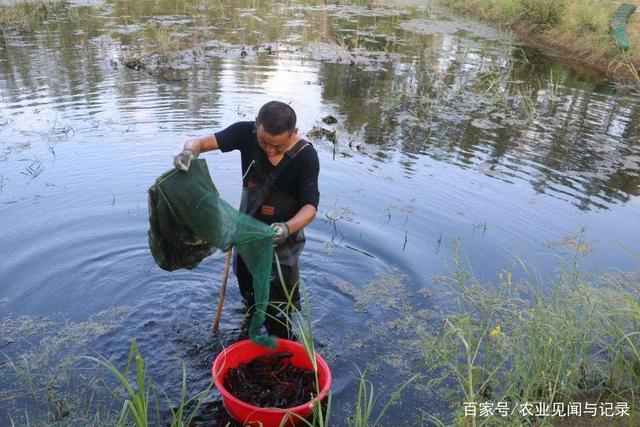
(268, 204)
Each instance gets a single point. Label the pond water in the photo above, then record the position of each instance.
(448, 133)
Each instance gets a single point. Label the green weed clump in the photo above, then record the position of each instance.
(547, 13)
(587, 17)
(581, 28)
(162, 40)
(141, 397)
(27, 14)
(508, 9)
(568, 340)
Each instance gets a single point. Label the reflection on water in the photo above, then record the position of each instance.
(446, 128)
(413, 86)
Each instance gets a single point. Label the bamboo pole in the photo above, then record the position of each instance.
(223, 290)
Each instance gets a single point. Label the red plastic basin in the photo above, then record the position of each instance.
(244, 352)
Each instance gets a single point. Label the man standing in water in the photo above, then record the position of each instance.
(279, 187)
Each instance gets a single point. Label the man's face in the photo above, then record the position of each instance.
(274, 144)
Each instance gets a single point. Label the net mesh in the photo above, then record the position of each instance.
(193, 220)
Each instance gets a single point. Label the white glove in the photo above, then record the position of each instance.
(282, 232)
(183, 160)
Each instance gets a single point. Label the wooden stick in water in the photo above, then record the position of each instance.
(223, 289)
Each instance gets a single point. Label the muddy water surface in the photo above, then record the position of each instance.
(447, 131)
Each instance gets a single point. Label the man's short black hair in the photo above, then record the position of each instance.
(276, 117)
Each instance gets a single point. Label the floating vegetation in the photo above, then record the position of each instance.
(34, 169)
(162, 40)
(38, 353)
(386, 290)
(340, 213)
(61, 132)
(13, 329)
(24, 15)
(322, 131)
(574, 243)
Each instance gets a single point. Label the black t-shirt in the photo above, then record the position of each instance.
(298, 180)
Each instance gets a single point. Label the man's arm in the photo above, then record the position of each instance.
(308, 193)
(231, 138)
(192, 148)
(202, 144)
(304, 217)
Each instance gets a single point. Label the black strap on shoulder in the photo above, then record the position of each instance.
(288, 157)
(297, 148)
(271, 177)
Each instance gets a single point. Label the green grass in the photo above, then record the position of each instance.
(569, 339)
(579, 28)
(508, 9)
(587, 17)
(632, 69)
(367, 401)
(547, 13)
(162, 40)
(25, 15)
(138, 403)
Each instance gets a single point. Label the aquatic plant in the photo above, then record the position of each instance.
(136, 406)
(366, 401)
(554, 87)
(162, 40)
(42, 381)
(568, 340)
(24, 15)
(34, 169)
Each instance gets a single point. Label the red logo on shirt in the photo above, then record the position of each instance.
(268, 210)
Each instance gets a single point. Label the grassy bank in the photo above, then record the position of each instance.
(577, 31)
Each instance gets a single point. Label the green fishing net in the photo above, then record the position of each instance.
(188, 220)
